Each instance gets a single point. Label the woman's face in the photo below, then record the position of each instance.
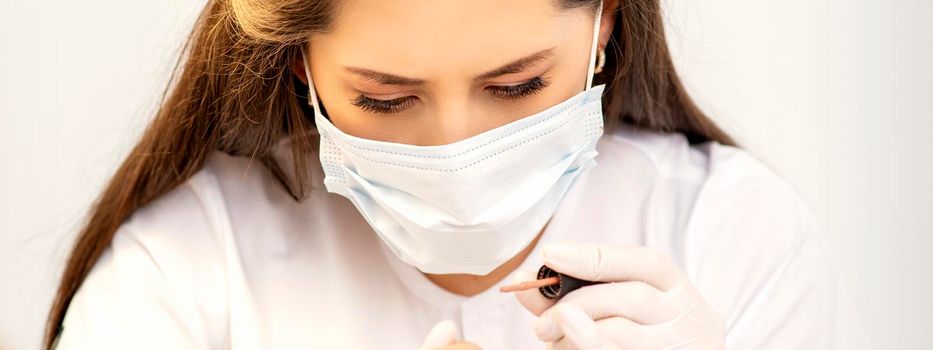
(427, 72)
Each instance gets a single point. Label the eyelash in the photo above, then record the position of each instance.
(511, 92)
(514, 92)
(374, 105)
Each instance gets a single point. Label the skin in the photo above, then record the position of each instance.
(449, 45)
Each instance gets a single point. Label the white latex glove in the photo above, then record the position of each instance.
(444, 336)
(649, 305)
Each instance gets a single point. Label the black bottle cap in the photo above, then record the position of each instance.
(567, 283)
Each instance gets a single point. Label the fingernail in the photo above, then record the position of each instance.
(557, 252)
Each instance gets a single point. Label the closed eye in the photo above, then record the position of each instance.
(396, 105)
(514, 92)
(375, 105)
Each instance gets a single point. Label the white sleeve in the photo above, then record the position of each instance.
(160, 284)
(794, 307)
(757, 255)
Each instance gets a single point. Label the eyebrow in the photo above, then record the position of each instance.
(509, 68)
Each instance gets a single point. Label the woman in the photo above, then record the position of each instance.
(351, 174)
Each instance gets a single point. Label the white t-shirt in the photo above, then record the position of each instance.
(230, 261)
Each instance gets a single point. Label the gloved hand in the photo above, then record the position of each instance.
(650, 305)
(444, 336)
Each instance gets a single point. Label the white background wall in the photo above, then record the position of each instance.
(836, 95)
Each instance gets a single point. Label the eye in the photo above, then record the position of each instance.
(514, 92)
(374, 105)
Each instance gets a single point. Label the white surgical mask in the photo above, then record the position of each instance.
(468, 206)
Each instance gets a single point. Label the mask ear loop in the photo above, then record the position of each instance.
(312, 95)
(593, 46)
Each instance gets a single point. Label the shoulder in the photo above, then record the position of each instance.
(714, 186)
(746, 206)
(744, 235)
(231, 216)
(717, 209)
(188, 222)
(727, 200)
(165, 268)
(186, 236)
(202, 214)
(756, 251)
(189, 236)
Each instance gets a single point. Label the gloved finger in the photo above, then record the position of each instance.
(596, 262)
(442, 334)
(580, 331)
(531, 299)
(634, 300)
(622, 333)
(546, 328)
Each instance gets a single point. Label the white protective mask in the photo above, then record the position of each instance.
(469, 206)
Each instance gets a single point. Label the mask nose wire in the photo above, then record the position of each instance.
(593, 45)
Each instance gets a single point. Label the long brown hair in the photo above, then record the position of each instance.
(232, 90)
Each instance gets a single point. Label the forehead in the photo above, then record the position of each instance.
(415, 36)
